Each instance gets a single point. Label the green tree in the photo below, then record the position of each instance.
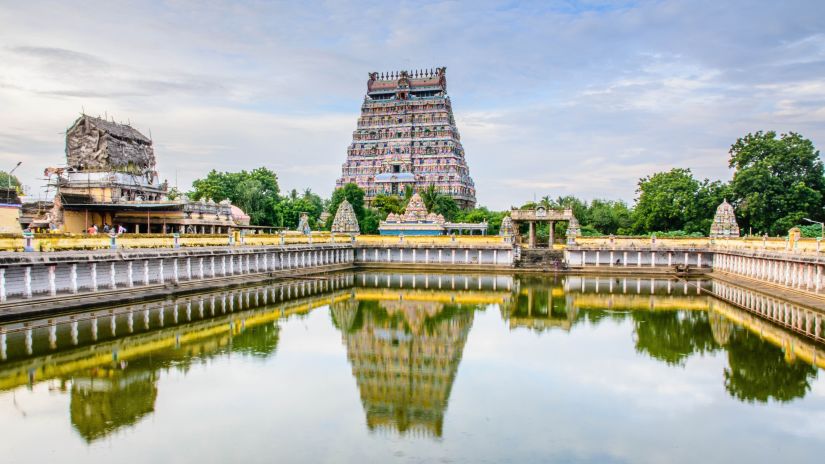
(371, 221)
(759, 371)
(255, 192)
(289, 208)
(665, 200)
(608, 217)
(777, 181)
(386, 204)
(481, 214)
(439, 203)
(429, 196)
(673, 336)
(5, 181)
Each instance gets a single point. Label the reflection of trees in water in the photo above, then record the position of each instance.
(404, 357)
(673, 336)
(759, 371)
(109, 399)
(106, 399)
(259, 341)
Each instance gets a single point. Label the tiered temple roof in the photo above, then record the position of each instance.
(416, 212)
(404, 356)
(345, 221)
(406, 136)
(724, 222)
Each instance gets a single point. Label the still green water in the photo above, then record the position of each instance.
(375, 367)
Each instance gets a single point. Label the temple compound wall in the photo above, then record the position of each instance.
(29, 278)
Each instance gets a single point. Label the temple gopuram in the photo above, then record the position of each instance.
(407, 137)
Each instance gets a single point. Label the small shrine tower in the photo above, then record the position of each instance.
(724, 222)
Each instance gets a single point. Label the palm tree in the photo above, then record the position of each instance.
(429, 195)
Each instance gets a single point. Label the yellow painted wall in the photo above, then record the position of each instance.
(76, 222)
(10, 220)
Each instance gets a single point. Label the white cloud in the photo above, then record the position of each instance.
(551, 99)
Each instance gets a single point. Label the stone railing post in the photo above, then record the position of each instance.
(176, 238)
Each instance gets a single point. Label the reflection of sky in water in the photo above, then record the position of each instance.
(587, 395)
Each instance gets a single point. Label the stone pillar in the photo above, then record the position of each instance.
(112, 275)
(652, 259)
(532, 237)
(699, 260)
(639, 259)
(669, 259)
(175, 276)
(130, 276)
(624, 263)
(93, 272)
(72, 278)
(145, 272)
(27, 281)
(452, 256)
(401, 255)
(52, 286)
(611, 259)
(160, 271)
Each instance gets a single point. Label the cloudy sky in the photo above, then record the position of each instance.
(551, 97)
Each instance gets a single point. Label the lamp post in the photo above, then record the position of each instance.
(10, 172)
(816, 222)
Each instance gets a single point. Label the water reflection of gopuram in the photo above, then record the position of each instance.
(405, 345)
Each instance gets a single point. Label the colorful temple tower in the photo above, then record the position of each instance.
(407, 137)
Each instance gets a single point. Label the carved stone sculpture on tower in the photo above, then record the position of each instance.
(345, 221)
(724, 222)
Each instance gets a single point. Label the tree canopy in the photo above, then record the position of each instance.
(777, 181)
(255, 192)
(5, 181)
(675, 200)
